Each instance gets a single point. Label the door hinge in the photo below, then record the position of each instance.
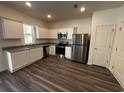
(109, 46)
(113, 30)
(95, 48)
(107, 61)
(120, 28)
(112, 67)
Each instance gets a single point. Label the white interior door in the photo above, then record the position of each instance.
(103, 45)
(119, 57)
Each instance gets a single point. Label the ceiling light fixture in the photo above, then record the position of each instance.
(82, 9)
(49, 16)
(28, 4)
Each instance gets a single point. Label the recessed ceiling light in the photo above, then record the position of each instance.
(49, 16)
(28, 4)
(82, 9)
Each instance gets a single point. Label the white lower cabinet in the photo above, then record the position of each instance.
(16, 60)
(19, 59)
(36, 54)
(68, 52)
(52, 50)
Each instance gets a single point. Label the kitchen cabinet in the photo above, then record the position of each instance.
(62, 30)
(41, 33)
(0, 60)
(36, 54)
(52, 50)
(53, 33)
(70, 32)
(68, 50)
(11, 29)
(17, 60)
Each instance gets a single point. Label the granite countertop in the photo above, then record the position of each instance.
(17, 49)
(26, 47)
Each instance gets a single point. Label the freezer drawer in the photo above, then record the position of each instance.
(79, 53)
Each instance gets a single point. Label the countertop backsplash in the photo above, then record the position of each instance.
(7, 43)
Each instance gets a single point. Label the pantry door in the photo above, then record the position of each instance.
(103, 45)
(118, 66)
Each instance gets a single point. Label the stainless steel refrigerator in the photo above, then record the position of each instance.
(80, 47)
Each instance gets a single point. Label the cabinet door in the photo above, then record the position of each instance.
(41, 33)
(53, 33)
(103, 45)
(70, 31)
(36, 54)
(0, 60)
(19, 59)
(12, 29)
(52, 50)
(62, 30)
(46, 33)
(68, 52)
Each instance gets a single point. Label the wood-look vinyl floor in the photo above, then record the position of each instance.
(56, 74)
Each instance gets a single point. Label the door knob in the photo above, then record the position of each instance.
(95, 48)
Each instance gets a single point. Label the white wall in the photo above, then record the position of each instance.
(13, 14)
(120, 20)
(105, 17)
(83, 25)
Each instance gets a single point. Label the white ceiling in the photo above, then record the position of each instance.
(61, 10)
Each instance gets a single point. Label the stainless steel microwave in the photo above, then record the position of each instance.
(62, 35)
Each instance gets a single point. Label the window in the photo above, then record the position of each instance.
(28, 33)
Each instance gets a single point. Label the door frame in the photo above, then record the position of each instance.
(114, 27)
(114, 72)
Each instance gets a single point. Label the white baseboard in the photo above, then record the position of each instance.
(116, 77)
(89, 63)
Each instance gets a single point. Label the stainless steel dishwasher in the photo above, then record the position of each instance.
(45, 51)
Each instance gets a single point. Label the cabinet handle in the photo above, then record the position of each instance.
(72, 49)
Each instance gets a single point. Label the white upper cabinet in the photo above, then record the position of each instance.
(62, 30)
(11, 29)
(41, 32)
(53, 33)
(70, 32)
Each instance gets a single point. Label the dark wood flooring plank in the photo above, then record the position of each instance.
(56, 74)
